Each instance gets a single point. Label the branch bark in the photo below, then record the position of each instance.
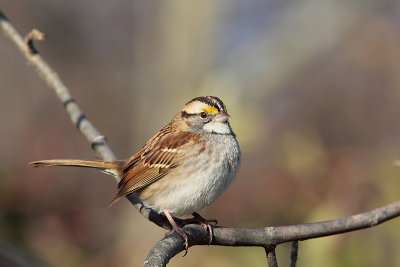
(168, 247)
(171, 245)
(294, 253)
(97, 141)
(271, 256)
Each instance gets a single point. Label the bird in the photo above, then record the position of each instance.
(183, 168)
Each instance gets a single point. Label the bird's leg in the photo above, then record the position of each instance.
(176, 228)
(197, 218)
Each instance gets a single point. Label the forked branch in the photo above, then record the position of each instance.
(270, 237)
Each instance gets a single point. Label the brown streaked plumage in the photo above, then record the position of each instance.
(186, 166)
(156, 159)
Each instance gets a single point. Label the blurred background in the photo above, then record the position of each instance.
(313, 88)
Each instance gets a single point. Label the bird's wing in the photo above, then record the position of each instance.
(156, 159)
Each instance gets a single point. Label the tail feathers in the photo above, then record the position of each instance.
(110, 167)
(114, 168)
(115, 199)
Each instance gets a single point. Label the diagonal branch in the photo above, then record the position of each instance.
(76, 115)
(78, 118)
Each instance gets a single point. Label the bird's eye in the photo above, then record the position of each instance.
(203, 115)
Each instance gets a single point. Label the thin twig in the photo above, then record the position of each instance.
(294, 253)
(271, 256)
(86, 128)
(34, 35)
(55, 83)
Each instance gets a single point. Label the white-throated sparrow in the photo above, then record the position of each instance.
(185, 167)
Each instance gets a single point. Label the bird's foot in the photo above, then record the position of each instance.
(177, 229)
(206, 223)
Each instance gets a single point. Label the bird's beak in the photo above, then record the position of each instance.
(222, 117)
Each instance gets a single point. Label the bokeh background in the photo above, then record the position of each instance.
(313, 87)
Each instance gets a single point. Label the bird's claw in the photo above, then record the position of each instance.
(206, 223)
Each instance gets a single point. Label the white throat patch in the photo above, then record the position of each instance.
(217, 127)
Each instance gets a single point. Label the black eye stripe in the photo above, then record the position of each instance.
(184, 114)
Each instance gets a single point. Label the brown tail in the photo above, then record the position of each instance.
(110, 167)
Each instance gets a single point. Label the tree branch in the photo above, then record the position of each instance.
(76, 115)
(97, 141)
(168, 247)
(271, 256)
(171, 245)
(294, 253)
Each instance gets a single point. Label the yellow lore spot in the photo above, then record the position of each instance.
(210, 109)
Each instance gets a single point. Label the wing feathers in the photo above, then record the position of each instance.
(157, 158)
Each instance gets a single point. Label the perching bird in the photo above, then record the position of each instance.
(185, 167)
